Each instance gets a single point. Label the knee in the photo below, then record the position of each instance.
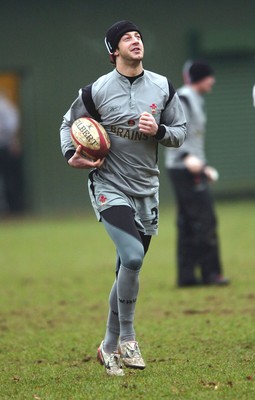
(134, 262)
(133, 258)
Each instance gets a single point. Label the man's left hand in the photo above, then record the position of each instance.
(147, 124)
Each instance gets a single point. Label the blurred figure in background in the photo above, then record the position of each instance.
(253, 95)
(189, 174)
(10, 156)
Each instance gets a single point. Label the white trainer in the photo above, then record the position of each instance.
(112, 362)
(131, 355)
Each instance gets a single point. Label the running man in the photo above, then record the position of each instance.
(140, 110)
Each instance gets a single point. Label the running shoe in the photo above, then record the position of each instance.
(112, 362)
(131, 355)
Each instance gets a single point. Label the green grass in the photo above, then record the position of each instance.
(54, 282)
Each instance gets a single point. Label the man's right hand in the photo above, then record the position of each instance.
(79, 161)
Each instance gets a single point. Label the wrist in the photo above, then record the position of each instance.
(160, 132)
(69, 154)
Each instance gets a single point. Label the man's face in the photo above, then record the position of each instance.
(206, 84)
(130, 47)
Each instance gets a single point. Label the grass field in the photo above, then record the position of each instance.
(54, 283)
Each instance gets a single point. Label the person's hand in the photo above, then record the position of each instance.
(147, 124)
(79, 161)
(193, 164)
(211, 173)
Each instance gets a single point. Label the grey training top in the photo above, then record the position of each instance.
(131, 164)
(193, 105)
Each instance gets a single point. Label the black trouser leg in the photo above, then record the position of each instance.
(197, 228)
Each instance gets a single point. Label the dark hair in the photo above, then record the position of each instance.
(200, 70)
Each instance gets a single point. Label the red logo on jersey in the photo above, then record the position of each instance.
(153, 108)
(102, 199)
(131, 122)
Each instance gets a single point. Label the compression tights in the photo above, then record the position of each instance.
(131, 246)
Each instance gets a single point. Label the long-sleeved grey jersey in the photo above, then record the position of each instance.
(193, 106)
(131, 164)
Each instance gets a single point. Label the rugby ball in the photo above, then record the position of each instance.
(91, 136)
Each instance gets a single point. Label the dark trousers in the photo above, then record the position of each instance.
(12, 180)
(197, 228)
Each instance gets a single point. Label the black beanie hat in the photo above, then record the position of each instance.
(200, 70)
(116, 31)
